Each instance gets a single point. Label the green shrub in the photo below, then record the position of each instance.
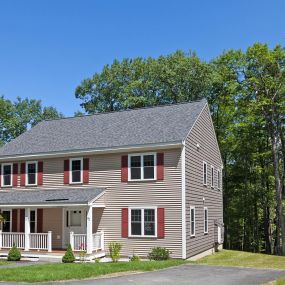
(135, 258)
(68, 256)
(115, 250)
(159, 253)
(14, 254)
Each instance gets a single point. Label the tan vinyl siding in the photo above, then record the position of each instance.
(204, 135)
(105, 171)
(166, 194)
(52, 221)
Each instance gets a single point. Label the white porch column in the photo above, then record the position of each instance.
(1, 239)
(27, 229)
(89, 238)
(49, 241)
(71, 240)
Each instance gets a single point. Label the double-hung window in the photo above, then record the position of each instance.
(192, 221)
(7, 173)
(142, 166)
(205, 169)
(7, 224)
(212, 176)
(31, 173)
(143, 222)
(219, 179)
(205, 220)
(76, 173)
(33, 221)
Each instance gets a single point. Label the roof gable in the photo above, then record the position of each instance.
(162, 124)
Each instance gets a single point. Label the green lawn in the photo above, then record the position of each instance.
(244, 259)
(3, 262)
(60, 271)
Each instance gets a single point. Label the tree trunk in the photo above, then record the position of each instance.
(278, 193)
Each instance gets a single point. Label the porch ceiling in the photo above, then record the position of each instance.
(50, 197)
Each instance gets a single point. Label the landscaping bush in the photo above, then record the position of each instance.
(135, 258)
(159, 253)
(115, 250)
(68, 256)
(14, 254)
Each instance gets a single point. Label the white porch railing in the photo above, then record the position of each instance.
(79, 241)
(8, 239)
(38, 241)
(41, 241)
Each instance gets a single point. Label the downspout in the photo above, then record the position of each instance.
(183, 200)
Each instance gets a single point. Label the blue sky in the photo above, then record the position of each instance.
(47, 47)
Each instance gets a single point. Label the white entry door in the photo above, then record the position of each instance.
(74, 221)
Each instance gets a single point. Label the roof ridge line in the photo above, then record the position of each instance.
(127, 110)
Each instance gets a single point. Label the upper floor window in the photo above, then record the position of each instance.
(219, 179)
(205, 167)
(142, 222)
(6, 174)
(205, 220)
(76, 173)
(192, 221)
(142, 166)
(31, 173)
(212, 176)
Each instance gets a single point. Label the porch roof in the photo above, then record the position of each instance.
(48, 197)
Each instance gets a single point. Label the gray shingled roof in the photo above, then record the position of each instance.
(162, 124)
(46, 197)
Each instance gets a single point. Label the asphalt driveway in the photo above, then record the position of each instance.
(190, 274)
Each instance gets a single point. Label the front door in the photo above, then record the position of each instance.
(75, 221)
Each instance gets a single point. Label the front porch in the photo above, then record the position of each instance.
(48, 228)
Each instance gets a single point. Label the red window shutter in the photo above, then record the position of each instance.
(85, 170)
(66, 171)
(40, 215)
(160, 223)
(15, 174)
(23, 174)
(125, 212)
(124, 168)
(14, 220)
(160, 166)
(40, 172)
(22, 220)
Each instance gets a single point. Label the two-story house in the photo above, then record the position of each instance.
(146, 177)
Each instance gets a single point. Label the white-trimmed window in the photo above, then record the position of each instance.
(76, 170)
(205, 169)
(7, 172)
(212, 176)
(31, 173)
(143, 222)
(33, 221)
(192, 221)
(7, 224)
(219, 179)
(142, 166)
(206, 220)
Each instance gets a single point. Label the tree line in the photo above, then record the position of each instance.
(246, 95)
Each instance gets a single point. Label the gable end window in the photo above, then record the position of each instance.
(7, 172)
(76, 173)
(192, 221)
(205, 169)
(142, 167)
(212, 176)
(219, 179)
(31, 173)
(205, 220)
(143, 222)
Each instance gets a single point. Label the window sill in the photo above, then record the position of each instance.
(31, 185)
(142, 237)
(192, 236)
(7, 186)
(75, 183)
(144, 180)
